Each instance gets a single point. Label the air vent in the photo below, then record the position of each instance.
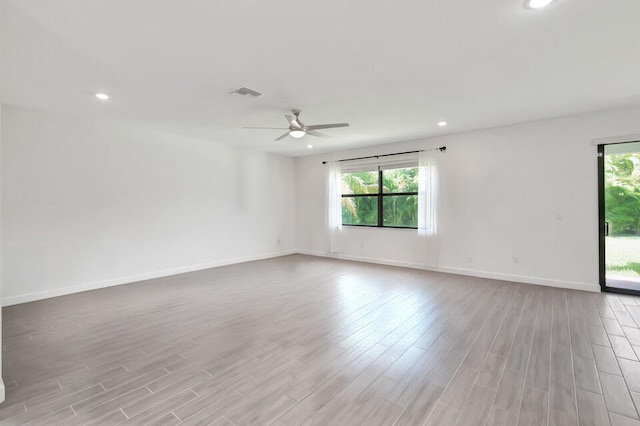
(246, 93)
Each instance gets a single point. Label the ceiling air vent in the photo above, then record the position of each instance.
(246, 93)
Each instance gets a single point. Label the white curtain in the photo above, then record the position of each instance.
(428, 204)
(334, 199)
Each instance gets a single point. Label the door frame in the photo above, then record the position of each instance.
(601, 225)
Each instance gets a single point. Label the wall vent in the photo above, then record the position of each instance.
(247, 93)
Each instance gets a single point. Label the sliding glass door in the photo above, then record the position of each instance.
(619, 200)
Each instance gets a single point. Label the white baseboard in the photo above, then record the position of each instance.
(365, 259)
(1, 390)
(572, 285)
(30, 297)
(461, 271)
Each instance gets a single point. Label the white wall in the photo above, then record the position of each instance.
(2, 390)
(90, 204)
(527, 191)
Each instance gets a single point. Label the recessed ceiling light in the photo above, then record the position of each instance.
(538, 4)
(442, 123)
(297, 133)
(309, 146)
(102, 96)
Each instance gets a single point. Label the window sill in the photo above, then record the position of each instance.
(379, 227)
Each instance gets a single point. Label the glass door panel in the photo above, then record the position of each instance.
(620, 216)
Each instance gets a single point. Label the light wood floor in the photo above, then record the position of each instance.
(302, 340)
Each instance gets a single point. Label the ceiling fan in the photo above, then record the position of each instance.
(297, 129)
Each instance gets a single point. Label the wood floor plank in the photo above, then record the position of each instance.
(519, 355)
(113, 418)
(477, 407)
(618, 420)
(509, 395)
(631, 373)
(625, 318)
(159, 410)
(385, 414)
(622, 348)
(606, 360)
(208, 411)
(58, 405)
(586, 375)
(598, 336)
(459, 388)
(332, 387)
(633, 334)
(592, 410)
(534, 407)
(562, 393)
(421, 406)
(492, 371)
(537, 374)
(500, 417)
(168, 419)
(112, 405)
(364, 404)
(612, 327)
(506, 334)
(558, 418)
(617, 396)
(443, 416)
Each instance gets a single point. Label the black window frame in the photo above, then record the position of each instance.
(380, 195)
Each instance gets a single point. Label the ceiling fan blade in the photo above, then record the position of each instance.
(317, 134)
(268, 128)
(283, 136)
(326, 126)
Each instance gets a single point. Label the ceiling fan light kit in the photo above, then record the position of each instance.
(538, 4)
(297, 129)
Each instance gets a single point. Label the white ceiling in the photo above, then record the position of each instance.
(391, 69)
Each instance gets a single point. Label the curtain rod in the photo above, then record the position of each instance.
(441, 149)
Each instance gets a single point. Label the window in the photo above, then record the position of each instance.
(386, 196)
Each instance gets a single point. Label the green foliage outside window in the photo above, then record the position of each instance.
(400, 211)
(362, 194)
(622, 193)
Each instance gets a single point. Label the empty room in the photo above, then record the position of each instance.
(320, 212)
